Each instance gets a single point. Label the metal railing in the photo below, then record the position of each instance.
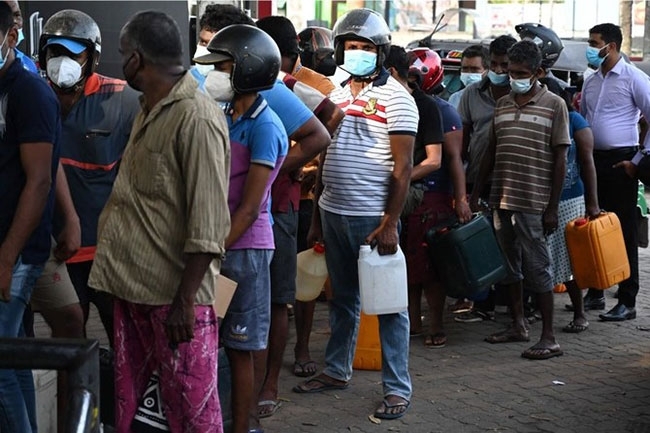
(78, 358)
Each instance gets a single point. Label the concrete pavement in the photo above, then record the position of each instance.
(601, 384)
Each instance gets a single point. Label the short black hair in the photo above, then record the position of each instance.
(502, 44)
(526, 52)
(156, 36)
(398, 59)
(218, 16)
(609, 33)
(6, 18)
(478, 51)
(283, 33)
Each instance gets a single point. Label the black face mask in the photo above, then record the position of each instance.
(130, 79)
(326, 66)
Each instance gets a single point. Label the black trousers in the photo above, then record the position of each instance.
(617, 192)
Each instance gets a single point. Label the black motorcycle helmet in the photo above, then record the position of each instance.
(256, 57)
(362, 24)
(546, 39)
(317, 49)
(74, 25)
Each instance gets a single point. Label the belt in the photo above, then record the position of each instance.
(616, 151)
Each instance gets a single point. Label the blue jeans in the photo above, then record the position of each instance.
(343, 235)
(17, 395)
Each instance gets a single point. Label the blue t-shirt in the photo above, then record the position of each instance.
(26, 122)
(27, 62)
(573, 186)
(439, 180)
(257, 137)
(293, 113)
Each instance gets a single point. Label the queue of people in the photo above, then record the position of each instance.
(138, 194)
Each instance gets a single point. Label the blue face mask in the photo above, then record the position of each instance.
(469, 78)
(593, 56)
(359, 63)
(521, 85)
(21, 37)
(501, 80)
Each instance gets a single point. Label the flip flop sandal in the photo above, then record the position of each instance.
(274, 405)
(300, 368)
(435, 341)
(507, 336)
(544, 353)
(386, 406)
(572, 328)
(303, 388)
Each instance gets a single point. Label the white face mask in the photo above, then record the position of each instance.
(64, 71)
(218, 86)
(203, 69)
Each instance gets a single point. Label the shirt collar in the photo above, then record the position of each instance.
(185, 88)
(254, 110)
(380, 79)
(532, 100)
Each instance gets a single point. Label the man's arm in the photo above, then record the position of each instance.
(36, 159)
(430, 164)
(69, 240)
(585, 143)
(550, 217)
(311, 139)
(453, 148)
(249, 208)
(330, 115)
(386, 234)
(485, 170)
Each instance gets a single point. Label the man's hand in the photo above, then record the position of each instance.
(6, 271)
(630, 169)
(386, 237)
(549, 221)
(68, 241)
(463, 211)
(179, 325)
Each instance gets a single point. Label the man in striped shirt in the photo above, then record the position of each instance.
(529, 138)
(365, 178)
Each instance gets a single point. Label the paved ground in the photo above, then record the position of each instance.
(601, 384)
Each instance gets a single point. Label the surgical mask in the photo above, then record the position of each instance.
(21, 37)
(218, 86)
(521, 85)
(500, 80)
(359, 63)
(203, 69)
(64, 71)
(468, 78)
(3, 58)
(593, 56)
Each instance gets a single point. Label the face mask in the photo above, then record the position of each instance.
(593, 56)
(498, 79)
(218, 86)
(468, 78)
(521, 85)
(327, 67)
(21, 37)
(64, 71)
(203, 69)
(359, 63)
(3, 58)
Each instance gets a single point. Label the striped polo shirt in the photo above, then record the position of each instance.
(359, 163)
(525, 136)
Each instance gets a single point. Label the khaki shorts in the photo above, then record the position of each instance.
(54, 288)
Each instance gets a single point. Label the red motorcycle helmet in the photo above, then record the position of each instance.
(426, 67)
